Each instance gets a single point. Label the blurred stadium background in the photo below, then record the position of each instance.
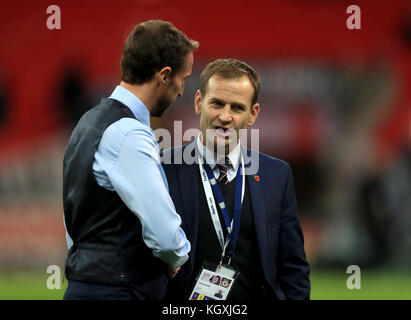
(336, 104)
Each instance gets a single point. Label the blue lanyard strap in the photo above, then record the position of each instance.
(234, 231)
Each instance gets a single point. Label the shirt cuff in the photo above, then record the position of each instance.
(179, 262)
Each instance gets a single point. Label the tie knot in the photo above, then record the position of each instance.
(226, 164)
(223, 167)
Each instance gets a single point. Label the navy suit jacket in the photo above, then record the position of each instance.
(279, 235)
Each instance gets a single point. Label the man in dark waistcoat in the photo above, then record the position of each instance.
(265, 244)
(123, 231)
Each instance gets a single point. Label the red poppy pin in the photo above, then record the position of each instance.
(257, 178)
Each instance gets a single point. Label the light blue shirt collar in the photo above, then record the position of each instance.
(138, 108)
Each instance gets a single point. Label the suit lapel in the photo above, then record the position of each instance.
(256, 189)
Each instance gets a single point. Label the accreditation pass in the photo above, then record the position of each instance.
(214, 282)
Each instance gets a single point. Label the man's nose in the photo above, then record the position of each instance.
(225, 115)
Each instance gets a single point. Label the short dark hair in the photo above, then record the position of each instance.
(230, 69)
(151, 46)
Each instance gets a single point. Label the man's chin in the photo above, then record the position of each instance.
(159, 111)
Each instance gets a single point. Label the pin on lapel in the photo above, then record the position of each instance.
(257, 178)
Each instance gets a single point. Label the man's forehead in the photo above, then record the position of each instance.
(220, 86)
(217, 81)
(186, 69)
(189, 62)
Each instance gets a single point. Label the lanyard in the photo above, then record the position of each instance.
(211, 187)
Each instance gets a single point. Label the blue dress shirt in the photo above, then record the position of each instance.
(127, 161)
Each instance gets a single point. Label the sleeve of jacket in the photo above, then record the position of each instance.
(293, 268)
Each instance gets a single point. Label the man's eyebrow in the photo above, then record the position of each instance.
(238, 104)
(214, 99)
(233, 104)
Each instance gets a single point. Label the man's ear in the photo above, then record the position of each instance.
(197, 102)
(164, 75)
(255, 110)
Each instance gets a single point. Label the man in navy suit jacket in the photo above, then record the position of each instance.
(269, 253)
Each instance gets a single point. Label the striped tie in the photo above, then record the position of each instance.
(223, 178)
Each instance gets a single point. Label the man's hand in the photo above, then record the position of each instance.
(171, 273)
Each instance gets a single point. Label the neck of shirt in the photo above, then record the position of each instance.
(212, 158)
